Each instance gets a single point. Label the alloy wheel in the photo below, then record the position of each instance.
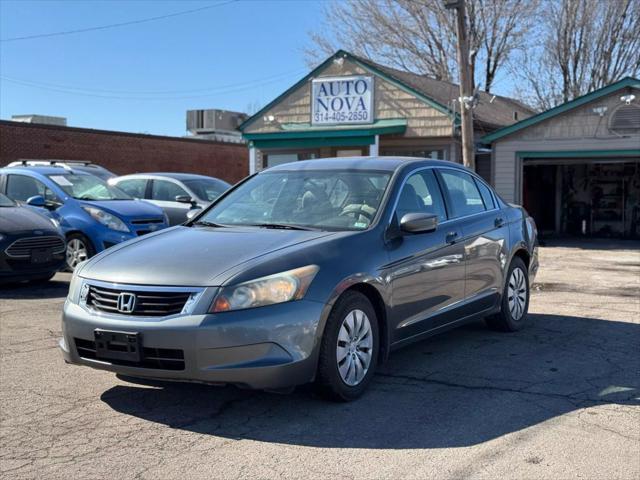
(517, 293)
(76, 253)
(354, 347)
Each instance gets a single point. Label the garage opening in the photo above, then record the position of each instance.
(587, 198)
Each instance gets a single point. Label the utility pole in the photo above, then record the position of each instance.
(466, 88)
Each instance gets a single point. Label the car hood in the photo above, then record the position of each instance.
(187, 256)
(127, 209)
(21, 219)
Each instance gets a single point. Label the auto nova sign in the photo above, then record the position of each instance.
(342, 100)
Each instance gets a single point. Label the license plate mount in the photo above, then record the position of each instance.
(41, 255)
(115, 345)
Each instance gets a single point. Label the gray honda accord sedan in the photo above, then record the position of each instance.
(311, 271)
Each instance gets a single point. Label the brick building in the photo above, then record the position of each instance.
(123, 152)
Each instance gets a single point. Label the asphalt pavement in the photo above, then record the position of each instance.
(560, 399)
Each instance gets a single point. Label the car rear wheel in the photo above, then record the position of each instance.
(79, 249)
(515, 299)
(349, 350)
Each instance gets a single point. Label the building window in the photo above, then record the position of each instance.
(436, 154)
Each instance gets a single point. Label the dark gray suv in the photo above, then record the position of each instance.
(309, 271)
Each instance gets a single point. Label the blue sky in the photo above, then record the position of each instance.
(232, 56)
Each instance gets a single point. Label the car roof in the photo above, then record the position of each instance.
(43, 170)
(175, 176)
(389, 164)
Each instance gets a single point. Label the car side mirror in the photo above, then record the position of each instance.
(37, 201)
(184, 199)
(419, 222)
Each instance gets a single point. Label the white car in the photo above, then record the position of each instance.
(176, 193)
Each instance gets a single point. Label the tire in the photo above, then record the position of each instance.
(42, 279)
(513, 310)
(347, 379)
(77, 241)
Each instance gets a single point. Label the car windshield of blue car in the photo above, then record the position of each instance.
(323, 199)
(6, 201)
(207, 189)
(88, 187)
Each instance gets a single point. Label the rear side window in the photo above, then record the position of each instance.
(463, 193)
(135, 187)
(167, 191)
(487, 198)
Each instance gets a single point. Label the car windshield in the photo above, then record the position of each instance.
(207, 189)
(6, 201)
(331, 200)
(87, 187)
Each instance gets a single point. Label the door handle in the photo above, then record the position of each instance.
(451, 238)
(499, 222)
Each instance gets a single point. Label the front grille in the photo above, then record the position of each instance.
(148, 304)
(149, 220)
(157, 358)
(23, 246)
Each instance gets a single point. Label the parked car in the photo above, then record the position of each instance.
(96, 215)
(77, 165)
(313, 270)
(32, 246)
(175, 193)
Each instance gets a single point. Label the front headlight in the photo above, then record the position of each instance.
(55, 222)
(277, 288)
(106, 219)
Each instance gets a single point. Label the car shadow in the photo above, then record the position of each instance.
(459, 389)
(56, 288)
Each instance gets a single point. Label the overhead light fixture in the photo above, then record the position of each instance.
(628, 98)
(600, 111)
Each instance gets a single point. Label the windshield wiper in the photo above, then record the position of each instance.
(204, 223)
(281, 226)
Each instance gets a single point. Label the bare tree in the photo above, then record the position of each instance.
(585, 45)
(419, 35)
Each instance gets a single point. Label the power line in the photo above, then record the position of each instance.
(115, 25)
(216, 89)
(120, 97)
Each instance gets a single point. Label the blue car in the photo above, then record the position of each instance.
(93, 215)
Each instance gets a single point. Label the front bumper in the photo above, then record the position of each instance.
(102, 237)
(20, 269)
(263, 348)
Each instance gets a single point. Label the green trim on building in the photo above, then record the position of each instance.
(314, 142)
(380, 127)
(579, 154)
(364, 65)
(628, 82)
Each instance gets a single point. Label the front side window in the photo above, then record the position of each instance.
(421, 194)
(22, 188)
(207, 189)
(332, 200)
(166, 191)
(463, 193)
(87, 187)
(135, 187)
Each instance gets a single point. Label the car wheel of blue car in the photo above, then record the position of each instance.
(79, 249)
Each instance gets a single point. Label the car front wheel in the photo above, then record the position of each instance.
(79, 249)
(349, 350)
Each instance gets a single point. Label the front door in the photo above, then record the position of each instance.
(163, 194)
(426, 269)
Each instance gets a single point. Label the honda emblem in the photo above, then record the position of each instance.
(126, 302)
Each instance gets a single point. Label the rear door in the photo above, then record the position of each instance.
(426, 269)
(164, 193)
(485, 236)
